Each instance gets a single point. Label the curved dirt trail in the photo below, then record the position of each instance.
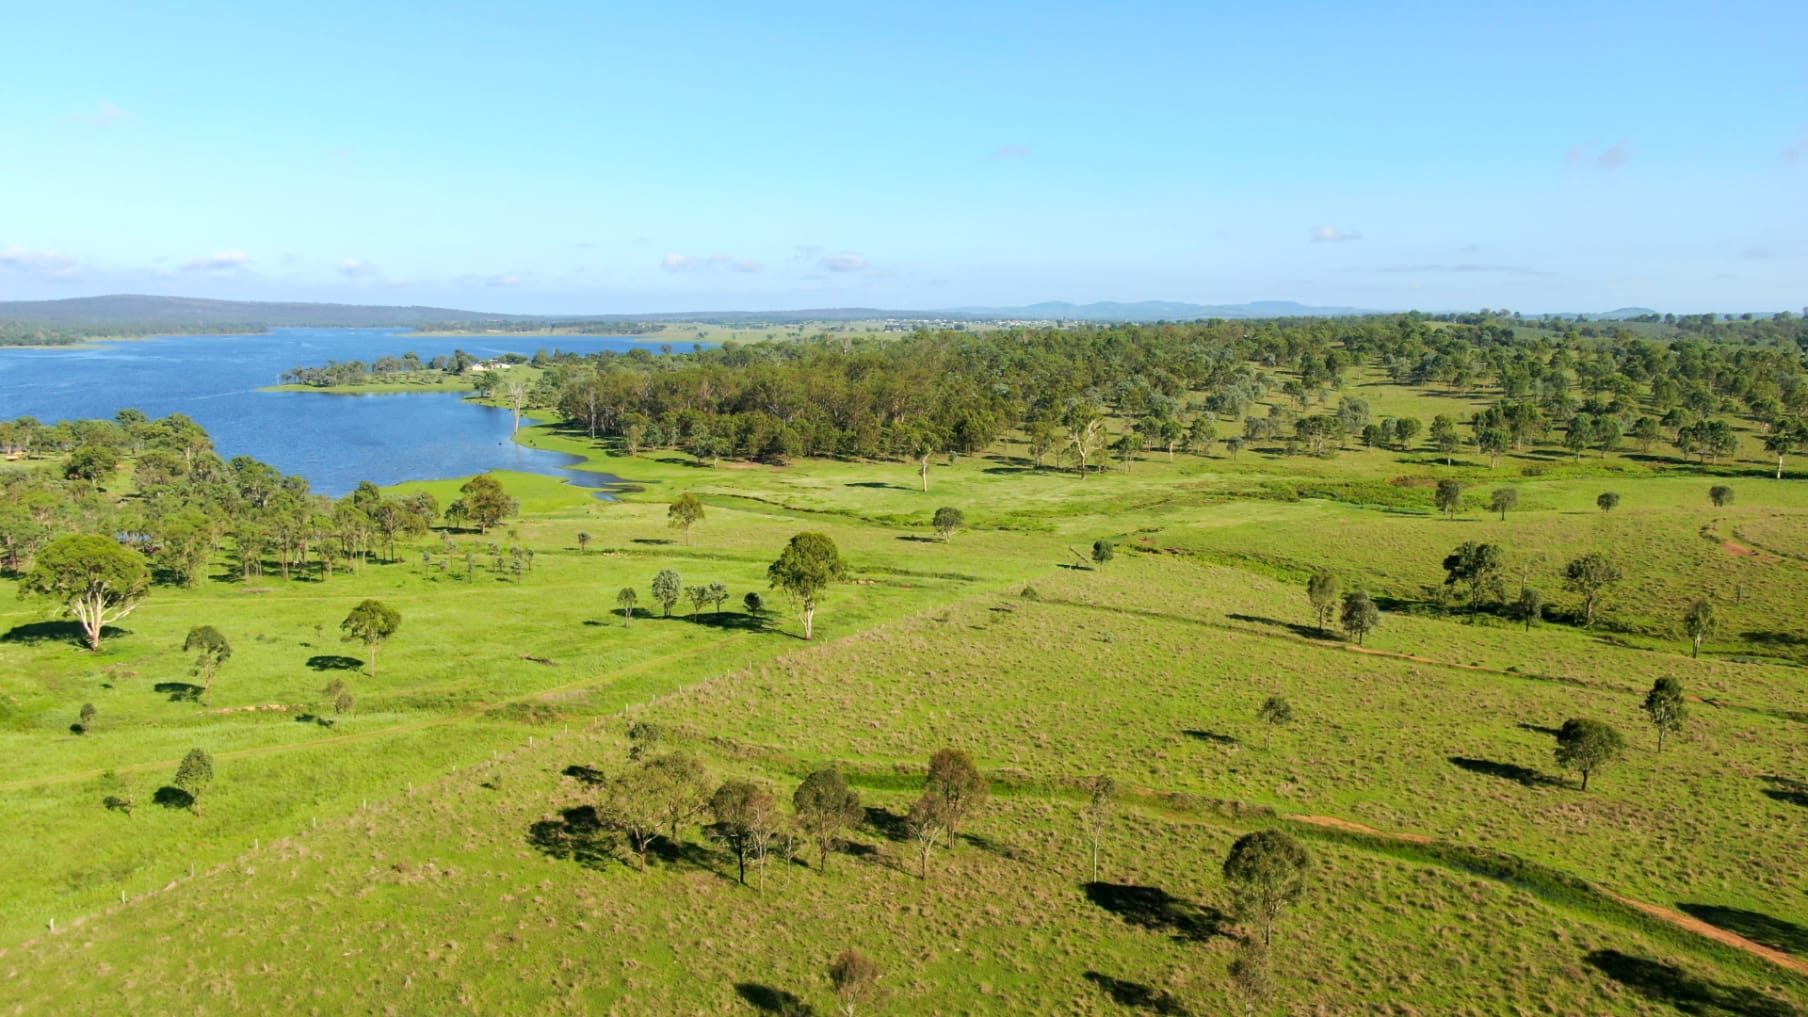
(1676, 918)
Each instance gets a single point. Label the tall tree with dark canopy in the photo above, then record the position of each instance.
(1478, 567)
(1587, 745)
(668, 586)
(483, 501)
(954, 777)
(1700, 624)
(825, 806)
(1607, 501)
(1721, 495)
(211, 650)
(1322, 591)
(1529, 607)
(947, 520)
(1503, 500)
(371, 622)
(809, 563)
(1667, 707)
(744, 814)
(97, 580)
(627, 597)
(1588, 576)
(1360, 616)
(193, 775)
(1274, 712)
(1449, 498)
(1266, 871)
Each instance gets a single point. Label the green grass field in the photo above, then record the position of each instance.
(426, 853)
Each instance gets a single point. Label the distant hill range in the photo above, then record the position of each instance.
(117, 310)
(178, 312)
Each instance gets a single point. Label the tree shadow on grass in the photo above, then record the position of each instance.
(1153, 908)
(173, 798)
(1538, 729)
(916, 539)
(179, 692)
(33, 633)
(586, 774)
(578, 835)
(776, 1002)
(1209, 736)
(1786, 789)
(1792, 640)
(661, 541)
(1505, 771)
(878, 485)
(1303, 631)
(334, 662)
(887, 824)
(1671, 985)
(1753, 925)
(1137, 996)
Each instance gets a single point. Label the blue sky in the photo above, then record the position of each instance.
(614, 157)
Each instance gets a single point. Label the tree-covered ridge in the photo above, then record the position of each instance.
(1176, 385)
(36, 333)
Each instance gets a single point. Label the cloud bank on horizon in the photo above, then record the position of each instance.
(907, 159)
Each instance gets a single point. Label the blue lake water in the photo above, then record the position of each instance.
(333, 440)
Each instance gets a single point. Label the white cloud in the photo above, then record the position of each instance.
(1333, 235)
(353, 268)
(1614, 157)
(38, 264)
(104, 114)
(846, 261)
(688, 262)
(222, 262)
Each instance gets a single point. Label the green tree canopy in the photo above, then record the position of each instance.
(1266, 871)
(97, 580)
(371, 622)
(1587, 745)
(809, 563)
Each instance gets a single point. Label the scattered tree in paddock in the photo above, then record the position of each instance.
(1588, 576)
(668, 586)
(627, 597)
(1266, 871)
(1503, 500)
(1103, 551)
(753, 604)
(1700, 624)
(1529, 607)
(856, 980)
(1721, 495)
(928, 819)
(718, 595)
(1101, 804)
(1607, 501)
(1274, 712)
(631, 804)
(957, 781)
(193, 775)
(482, 501)
(680, 787)
(947, 522)
(97, 580)
(1449, 498)
(745, 814)
(685, 513)
(1323, 591)
(643, 738)
(1360, 616)
(85, 720)
(1666, 707)
(211, 650)
(1479, 567)
(699, 596)
(804, 570)
(583, 541)
(1786, 437)
(1587, 745)
(825, 806)
(1444, 436)
(371, 622)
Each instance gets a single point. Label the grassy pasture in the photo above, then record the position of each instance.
(425, 886)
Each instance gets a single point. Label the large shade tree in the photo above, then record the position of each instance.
(98, 580)
(809, 563)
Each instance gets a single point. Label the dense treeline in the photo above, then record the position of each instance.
(578, 326)
(32, 333)
(1085, 392)
(186, 503)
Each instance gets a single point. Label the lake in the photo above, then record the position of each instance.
(334, 441)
